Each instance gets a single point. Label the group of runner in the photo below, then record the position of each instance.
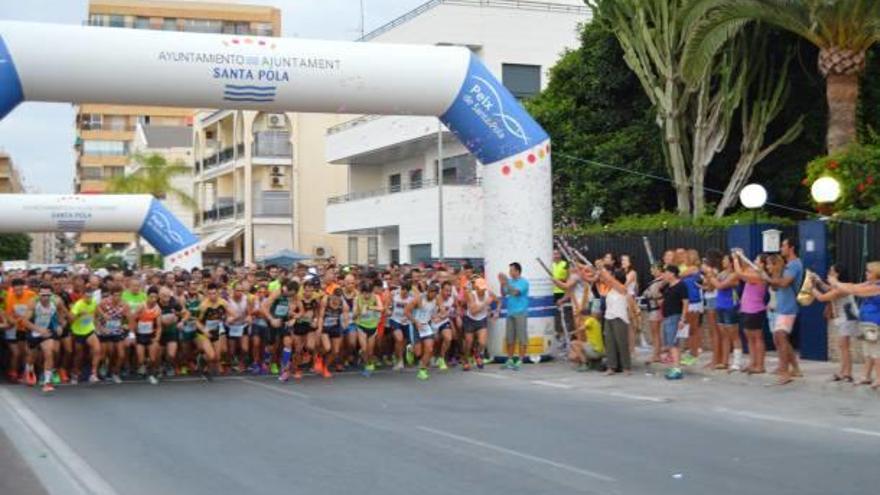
(109, 324)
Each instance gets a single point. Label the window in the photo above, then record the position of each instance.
(202, 26)
(415, 179)
(98, 20)
(113, 172)
(91, 173)
(353, 250)
(169, 24)
(372, 250)
(522, 80)
(459, 169)
(394, 183)
(141, 22)
(262, 28)
(99, 147)
(236, 28)
(117, 21)
(91, 121)
(116, 123)
(419, 253)
(450, 176)
(395, 255)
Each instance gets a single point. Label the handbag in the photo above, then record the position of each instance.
(870, 332)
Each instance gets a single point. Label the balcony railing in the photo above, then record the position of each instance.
(412, 186)
(223, 212)
(273, 204)
(219, 159)
(272, 144)
(350, 124)
(97, 126)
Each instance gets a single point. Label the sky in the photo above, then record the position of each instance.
(40, 136)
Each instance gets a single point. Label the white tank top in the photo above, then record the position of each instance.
(398, 308)
(483, 313)
(616, 306)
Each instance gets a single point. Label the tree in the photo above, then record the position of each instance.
(14, 247)
(154, 176)
(843, 30)
(596, 112)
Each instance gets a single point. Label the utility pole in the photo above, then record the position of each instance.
(440, 188)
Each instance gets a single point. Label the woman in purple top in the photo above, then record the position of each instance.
(753, 310)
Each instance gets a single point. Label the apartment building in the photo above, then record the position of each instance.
(391, 209)
(106, 133)
(261, 184)
(10, 179)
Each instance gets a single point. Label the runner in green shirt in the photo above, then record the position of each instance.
(83, 328)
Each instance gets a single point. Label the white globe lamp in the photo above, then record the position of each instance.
(825, 190)
(753, 196)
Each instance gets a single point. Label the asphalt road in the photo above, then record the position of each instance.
(542, 430)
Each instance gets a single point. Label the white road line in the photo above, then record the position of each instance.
(551, 384)
(497, 376)
(859, 431)
(77, 467)
(278, 389)
(521, 455)
(647, 398)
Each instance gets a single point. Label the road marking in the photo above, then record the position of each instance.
(648, 398)
(521, 455)
(274, 388)
(496, 376)
(77, 467)
(859, 431)
(551, 384)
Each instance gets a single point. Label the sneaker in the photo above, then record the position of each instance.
(367, 371)
(582, 368)
(434, 362)
(170, 372)
(319, 365)
(410, 355)
(284, 377)
(508, 365)
(116, 379)
(326, 373)
(422, 374)
(465, 366)
(273, 368)
(340, 367)
(153, 380)
(479, 361)
(688, 360)
(264, 369)
(388, 361)
(12, 376)
(441, 364)
(398, 366)
(674, 374)
(55, 378)
(297, 375)
(30, 378)
(48, 387)
(94, 379)
(184, 370)
(517, 364)
(142, 370)
(63, 376)
(74, 380)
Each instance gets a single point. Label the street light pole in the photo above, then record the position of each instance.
(441, 249)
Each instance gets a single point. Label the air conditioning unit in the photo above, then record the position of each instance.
(276, 177)
(276, 120)
(322, 252)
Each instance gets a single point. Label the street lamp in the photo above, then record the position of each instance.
(753, 197)
(825, 190)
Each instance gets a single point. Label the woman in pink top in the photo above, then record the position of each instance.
(753, 310)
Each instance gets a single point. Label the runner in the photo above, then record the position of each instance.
(349, 295)
(285, 308)
(367, 312)
(261, 334)
(18, 300)
(212, 313)
(333, 318)
(189, 330)
(304, 327)
(172, 314)
(422, 311)
(401, 327)
(476, 322)
(446, 327)
(146, 324)
(83, 328)
(44, 325)
(237, 323)
(113, 318)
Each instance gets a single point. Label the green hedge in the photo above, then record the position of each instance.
(670, 220)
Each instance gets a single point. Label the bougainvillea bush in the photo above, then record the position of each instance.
(857, 168)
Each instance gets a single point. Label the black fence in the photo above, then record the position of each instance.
(853, 244)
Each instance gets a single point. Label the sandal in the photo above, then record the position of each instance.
(848, 378)
(863, 381)
(836, 378)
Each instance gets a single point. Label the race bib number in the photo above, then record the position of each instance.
(683, 332)
(189, 327)
(425, 330)
(145, 327)
(214, 326)
(86, 320)
(43, 321)
(113, 326)
(21, 309)
(281, 311)
(236, 330)
(10, 334)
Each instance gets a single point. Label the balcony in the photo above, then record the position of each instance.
(375, 139)
(217, 160)
(224, 212)
(273, 204)
(424, 184)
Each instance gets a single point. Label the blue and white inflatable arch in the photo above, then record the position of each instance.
(44, 62)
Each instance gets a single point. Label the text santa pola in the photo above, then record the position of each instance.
(260, 68)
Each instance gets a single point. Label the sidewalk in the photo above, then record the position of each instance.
(817, 374)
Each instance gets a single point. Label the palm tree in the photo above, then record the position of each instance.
(843, 30)
(154, 176)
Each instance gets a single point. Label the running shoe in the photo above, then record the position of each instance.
(142, 370)
(153, 380)
(170, 371)
(63, 376)
(74, 380)
(319, 365)
(93, 378)
(368, 370)
(479, 361)
(508, 365)
(465, 366)
(297, 375)
(30, 378)
(582, 368)
(55, 378)
(102, 371)
(48, 387)
(12, 377)
(184, 370)
(274, 368)
(284, 376)
(116, 379)
(264, 369)
(441, 364)
(674, 374)
(410, 355)
(398, 366)
(340, 368)
(388, 361)
(517, 364)
(326, 373)
(422, 374)
(434, 362)
(688, 360)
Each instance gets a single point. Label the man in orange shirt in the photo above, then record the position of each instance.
(18, 301)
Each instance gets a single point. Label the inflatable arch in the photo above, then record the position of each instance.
(64, 63)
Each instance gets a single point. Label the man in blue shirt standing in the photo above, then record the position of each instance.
(516, 300)
(787, 286)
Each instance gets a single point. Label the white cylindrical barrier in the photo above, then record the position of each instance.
(128, 66)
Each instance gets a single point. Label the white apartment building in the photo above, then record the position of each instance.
(260, 189)
(391, 210)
